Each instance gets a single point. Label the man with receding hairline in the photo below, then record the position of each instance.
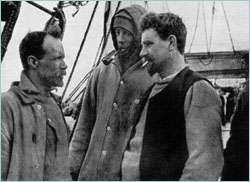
(34, 135)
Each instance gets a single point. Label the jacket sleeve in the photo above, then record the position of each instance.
(202, 111)
(82, 133)
(6, 135)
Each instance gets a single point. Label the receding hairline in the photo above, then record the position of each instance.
(48, 37)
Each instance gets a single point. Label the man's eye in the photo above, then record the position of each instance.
(117, 32)
(126, 33)
(147, 44)
(56, 59)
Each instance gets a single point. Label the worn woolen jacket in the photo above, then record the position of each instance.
(110, 106)
(23, 135)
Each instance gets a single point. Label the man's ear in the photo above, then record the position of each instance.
(33, 62)
(172, 42)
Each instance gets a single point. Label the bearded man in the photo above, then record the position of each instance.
(34, 135)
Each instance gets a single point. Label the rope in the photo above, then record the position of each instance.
(211, 35)
(166, 5)
(228, 27)
(79, 94)
(211, 27)
(206, 63)
(79, 85)
(98, 52)
(146, 5)
(106, 16)
(81, 46)
(106, 38)
(205, 25)
(196, 25)
(87, 75)
(9, 28)
(94, 64)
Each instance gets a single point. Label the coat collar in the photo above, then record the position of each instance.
(169, 78)
(27, 91)
(138, 63)
(26, 85)
(163, 83)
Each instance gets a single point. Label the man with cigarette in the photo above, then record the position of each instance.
(178, 136)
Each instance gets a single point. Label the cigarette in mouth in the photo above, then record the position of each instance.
(144, 64)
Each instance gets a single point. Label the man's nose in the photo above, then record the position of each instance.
(143, 52)
(120, 38)
(64, 65)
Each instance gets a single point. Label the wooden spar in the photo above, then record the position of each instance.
(41, 8)
(220, 64)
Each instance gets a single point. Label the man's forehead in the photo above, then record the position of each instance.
(51, 43)
(149, 34)
(121, 29)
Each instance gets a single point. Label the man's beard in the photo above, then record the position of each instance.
(51, 79)
(150, 65)
(151, 68)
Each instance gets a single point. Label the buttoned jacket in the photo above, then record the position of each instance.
(23, 135)
(110, 106)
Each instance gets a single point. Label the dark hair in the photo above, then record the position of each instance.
(166, 24)
(32, 45)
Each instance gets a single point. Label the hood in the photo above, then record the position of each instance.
(133, 13)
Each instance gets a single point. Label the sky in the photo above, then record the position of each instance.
(31, 19)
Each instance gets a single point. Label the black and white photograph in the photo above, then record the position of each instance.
(125, 90)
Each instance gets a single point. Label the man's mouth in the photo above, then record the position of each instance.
(122, 49)
(147, 59)
(64, 73)
(61, 75)
(148, 63)
(144, 62)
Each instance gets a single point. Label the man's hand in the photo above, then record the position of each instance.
(70, 109)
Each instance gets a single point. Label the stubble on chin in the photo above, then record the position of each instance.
(51, 80)
(151, 68)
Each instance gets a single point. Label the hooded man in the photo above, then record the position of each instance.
(111, 104)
